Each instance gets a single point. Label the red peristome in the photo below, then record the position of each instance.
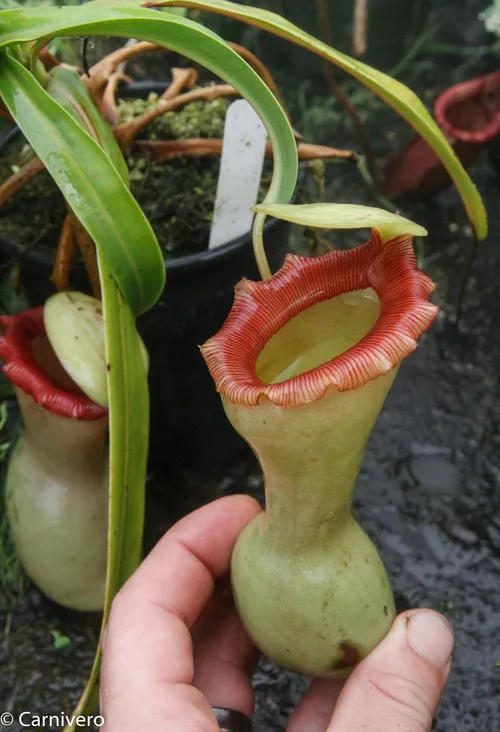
(23, 371)
(469, 115)
(470, 111)
(417, 173)
(261, 309)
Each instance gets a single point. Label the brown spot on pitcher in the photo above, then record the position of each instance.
(350, 656)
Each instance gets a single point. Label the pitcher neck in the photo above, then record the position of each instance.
(311, 456)
(57, 439)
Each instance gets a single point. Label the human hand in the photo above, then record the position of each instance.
(175, 647)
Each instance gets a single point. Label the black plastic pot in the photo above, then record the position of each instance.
(189, 430)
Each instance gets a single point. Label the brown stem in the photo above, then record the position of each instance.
(128, 131)
(64, 256)
(87, 250)
(97, 82)
(360, 28)
(107, 65)
(48, 60)
(308, 151)
(13, 184)
(181, 79)
(108, 103)
(336, 89)
(163, 150)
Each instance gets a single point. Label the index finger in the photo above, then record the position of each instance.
(148, 646)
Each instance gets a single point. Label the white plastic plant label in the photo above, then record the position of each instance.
(242, 160)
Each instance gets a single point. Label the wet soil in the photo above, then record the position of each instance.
(428, 494)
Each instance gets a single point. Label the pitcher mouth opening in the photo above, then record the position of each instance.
(31, 365)
(262, 309)
(470, 111)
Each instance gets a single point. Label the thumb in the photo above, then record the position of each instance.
(398, 686)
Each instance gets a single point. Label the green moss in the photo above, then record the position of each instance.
(178, 200)
(177, 197)
(198, 119)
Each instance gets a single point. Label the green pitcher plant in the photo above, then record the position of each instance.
(303, 364)
(56, 114)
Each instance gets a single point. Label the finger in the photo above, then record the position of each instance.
(224, 657)
(148, 657)
(315, 709)
(398, 686)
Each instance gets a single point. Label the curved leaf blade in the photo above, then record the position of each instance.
(396, 94)
(129, 432)
(66, 87)
(343, 216)
(178, 34)
(89, 182)
(195, 42)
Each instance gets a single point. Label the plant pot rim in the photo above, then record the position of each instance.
(190, 262)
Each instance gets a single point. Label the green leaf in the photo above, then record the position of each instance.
(59, 641)
(129, 424)
(396, 94)
(89, 182)
(343, 216)
(183, 36)
(180, 35)
(66, 87)
(129, 433)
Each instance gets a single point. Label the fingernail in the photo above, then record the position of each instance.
(431, 636)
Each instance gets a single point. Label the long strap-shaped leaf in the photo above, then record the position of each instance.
(87, 180)
(67, 88)
(129, 431)
(396, 94)
(127, 381)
